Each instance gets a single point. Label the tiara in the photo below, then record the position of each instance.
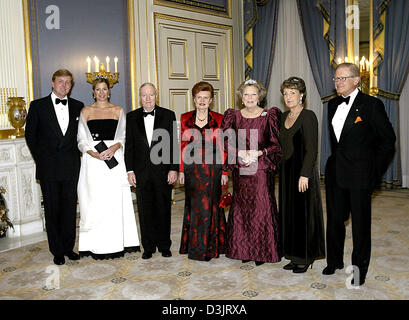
(100, 77)
(250, 81)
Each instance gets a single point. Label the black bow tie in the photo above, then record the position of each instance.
(342, 99)
(152, 113)
(63, 101)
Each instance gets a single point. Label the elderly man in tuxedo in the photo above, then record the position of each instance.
(362, 145)
(51, 135)
(151, 158)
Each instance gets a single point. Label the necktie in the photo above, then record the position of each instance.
(63, 101)
(152, 113)
(342, 99)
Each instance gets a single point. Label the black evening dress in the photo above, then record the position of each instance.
(301, 212)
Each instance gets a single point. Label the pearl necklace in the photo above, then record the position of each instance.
(293, 115)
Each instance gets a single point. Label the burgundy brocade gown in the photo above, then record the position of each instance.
(204, 223)
(253, 222)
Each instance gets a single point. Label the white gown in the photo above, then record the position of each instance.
(107, 217)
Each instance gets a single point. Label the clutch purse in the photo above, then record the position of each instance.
(100, 147)
(226, 198)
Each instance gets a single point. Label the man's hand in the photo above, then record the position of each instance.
(181, 177)
(172, 177)
(225, 179)
(132, 179)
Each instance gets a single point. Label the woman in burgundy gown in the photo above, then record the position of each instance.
(202, 157)
(254, 154)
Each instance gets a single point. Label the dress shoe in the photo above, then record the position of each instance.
(331, 269)
(361, 281)
(259, 263)
(72, 255)
(301, 268)
(166, 253)
(59, 260)
(146, 255)
(289, 266)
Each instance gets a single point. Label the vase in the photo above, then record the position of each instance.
(17, 114)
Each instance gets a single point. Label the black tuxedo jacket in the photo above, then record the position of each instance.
(163, 154)
(366, 145)
(56, 155)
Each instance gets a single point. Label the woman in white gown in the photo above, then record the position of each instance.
(107, 219)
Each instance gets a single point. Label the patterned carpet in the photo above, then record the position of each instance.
(28, 273)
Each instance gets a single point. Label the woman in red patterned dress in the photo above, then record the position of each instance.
(202, 157)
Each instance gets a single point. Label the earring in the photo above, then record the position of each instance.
(301, 100)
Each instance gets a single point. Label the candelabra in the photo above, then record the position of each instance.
(365, 81)
(101, 73)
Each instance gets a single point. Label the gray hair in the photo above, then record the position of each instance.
(147, 84)
(353, 68)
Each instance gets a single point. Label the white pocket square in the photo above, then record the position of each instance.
(77, 119)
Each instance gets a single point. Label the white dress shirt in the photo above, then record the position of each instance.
(341, 114)
(63, 116)
(149, 120)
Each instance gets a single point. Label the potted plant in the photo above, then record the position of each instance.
(5, 222)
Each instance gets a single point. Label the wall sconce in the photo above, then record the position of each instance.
(100, 71)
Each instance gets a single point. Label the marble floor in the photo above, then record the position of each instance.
(27, 272)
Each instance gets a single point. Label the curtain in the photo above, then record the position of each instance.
(260, 20)
(322, 26)
(404, 133)
(291, 59)
(264, 40)
(392, 74)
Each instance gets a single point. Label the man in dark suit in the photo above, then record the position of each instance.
(362, 144)
(51, 135)
(151, 158)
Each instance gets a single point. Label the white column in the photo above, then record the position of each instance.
(13, 62)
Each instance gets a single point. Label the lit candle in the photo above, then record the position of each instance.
(89, 64)
(107, 60)
(346, 59)
(116, 64)
(96, 60)
(356, 60)
(339, 60)
(366, 65)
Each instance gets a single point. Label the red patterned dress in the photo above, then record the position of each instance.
(202, 156)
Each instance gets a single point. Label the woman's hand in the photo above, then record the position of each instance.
(302, 184)
(109, 153)
(94, 154)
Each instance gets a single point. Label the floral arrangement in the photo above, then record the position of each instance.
(5, 223)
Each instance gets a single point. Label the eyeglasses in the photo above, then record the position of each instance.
(342, 79)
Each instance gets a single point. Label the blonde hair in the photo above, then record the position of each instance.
(63, 73)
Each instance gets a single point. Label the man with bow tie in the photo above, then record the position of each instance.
(51, 135)
(362, 145)
(151, 158)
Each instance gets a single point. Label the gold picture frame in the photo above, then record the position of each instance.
(197, 6)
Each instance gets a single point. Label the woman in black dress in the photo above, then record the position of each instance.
(300, 199)
(204, 223)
